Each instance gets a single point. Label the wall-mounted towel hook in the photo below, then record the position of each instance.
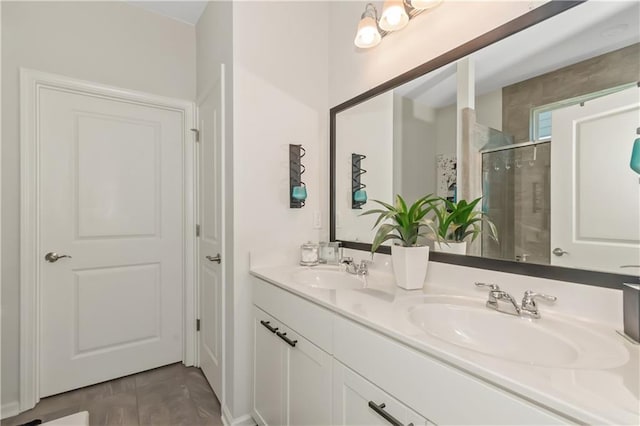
(297, 188)
(358, 194)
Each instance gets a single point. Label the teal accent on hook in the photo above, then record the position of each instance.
(360, 196)
(635, 156)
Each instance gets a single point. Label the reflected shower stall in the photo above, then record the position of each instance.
(516, 197)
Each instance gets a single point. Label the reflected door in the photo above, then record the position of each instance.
(111, 198)
(595, 196)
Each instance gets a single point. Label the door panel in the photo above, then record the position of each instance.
(595, 213)
(268, 373)
(308, 387)
(110, 177)
(210, 242)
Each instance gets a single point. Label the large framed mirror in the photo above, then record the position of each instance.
(537, 118)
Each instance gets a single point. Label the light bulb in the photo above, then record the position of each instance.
(394, 15)
(367, 34)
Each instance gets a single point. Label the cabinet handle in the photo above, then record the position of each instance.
(266, 324)
(379, 409)
(284, 337)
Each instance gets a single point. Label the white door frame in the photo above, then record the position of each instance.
(31, 82)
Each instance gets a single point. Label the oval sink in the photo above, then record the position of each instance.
(328, 278)
(546, 342)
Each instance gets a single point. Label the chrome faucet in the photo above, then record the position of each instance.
(527, 308)
(496, 296)
(352, 268)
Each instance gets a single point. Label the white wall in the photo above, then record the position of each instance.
(280, 97)
(106, 42)
(365, 129)
(415, 141)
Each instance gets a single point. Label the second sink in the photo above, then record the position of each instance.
(547, 342)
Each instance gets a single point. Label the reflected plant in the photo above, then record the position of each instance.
(455, 221)
(406, 222)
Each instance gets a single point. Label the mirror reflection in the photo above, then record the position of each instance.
(541, 127)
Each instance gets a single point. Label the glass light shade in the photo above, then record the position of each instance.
(635, 156)
(368, 34)
(394, 15)
(424, 4)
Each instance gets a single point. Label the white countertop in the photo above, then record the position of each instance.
(589, 395)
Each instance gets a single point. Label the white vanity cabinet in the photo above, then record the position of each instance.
(339, 372)
(291, 375)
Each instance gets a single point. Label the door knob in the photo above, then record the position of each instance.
(215, 258)
(53, 257)
(559, 252)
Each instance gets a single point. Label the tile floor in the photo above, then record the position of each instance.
(171, 395)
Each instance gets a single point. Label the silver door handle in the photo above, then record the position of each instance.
(53, 257)
(559, 252)
(217, 258)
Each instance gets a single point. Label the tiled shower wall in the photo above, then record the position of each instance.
(592, 75)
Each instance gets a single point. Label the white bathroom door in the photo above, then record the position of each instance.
(595, 196)
(111, 198)
(211, 137)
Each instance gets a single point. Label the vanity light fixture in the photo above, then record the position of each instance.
(395, 16)
(368, 34)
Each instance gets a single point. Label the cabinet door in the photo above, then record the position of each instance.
(308, 382)
(268, 370)
(354, 399)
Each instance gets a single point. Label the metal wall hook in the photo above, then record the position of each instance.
(357, 187)
(297, 188)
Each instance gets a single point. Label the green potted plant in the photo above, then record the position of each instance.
(456, 223)
(405, 224)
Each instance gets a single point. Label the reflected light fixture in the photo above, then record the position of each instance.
(368, 34)
(396, 14)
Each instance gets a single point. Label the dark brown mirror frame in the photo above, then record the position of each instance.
(546, 11)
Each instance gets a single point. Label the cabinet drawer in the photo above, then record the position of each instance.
(434, 389)
(300, 315)
(353, 398)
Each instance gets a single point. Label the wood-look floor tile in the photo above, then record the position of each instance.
(120, 409)
(166, 403)
(207, 405)
(159, 374)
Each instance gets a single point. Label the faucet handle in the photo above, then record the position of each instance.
(346, 260)
(492, 287)
(530, 296)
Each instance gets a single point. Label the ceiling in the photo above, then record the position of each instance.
(184, 11)
(583, 32)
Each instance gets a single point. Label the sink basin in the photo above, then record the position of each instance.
(328, 278)
(546, 342)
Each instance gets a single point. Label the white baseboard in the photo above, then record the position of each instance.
(10, 409)
(228, 420)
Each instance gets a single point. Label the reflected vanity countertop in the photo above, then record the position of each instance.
(603, 391)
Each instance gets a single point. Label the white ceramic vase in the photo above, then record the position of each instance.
(451, 247)
(410, 266)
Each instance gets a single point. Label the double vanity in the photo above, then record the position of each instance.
(332, 347)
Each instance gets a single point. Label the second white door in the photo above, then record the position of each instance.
(595, 196)
(211, 134)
